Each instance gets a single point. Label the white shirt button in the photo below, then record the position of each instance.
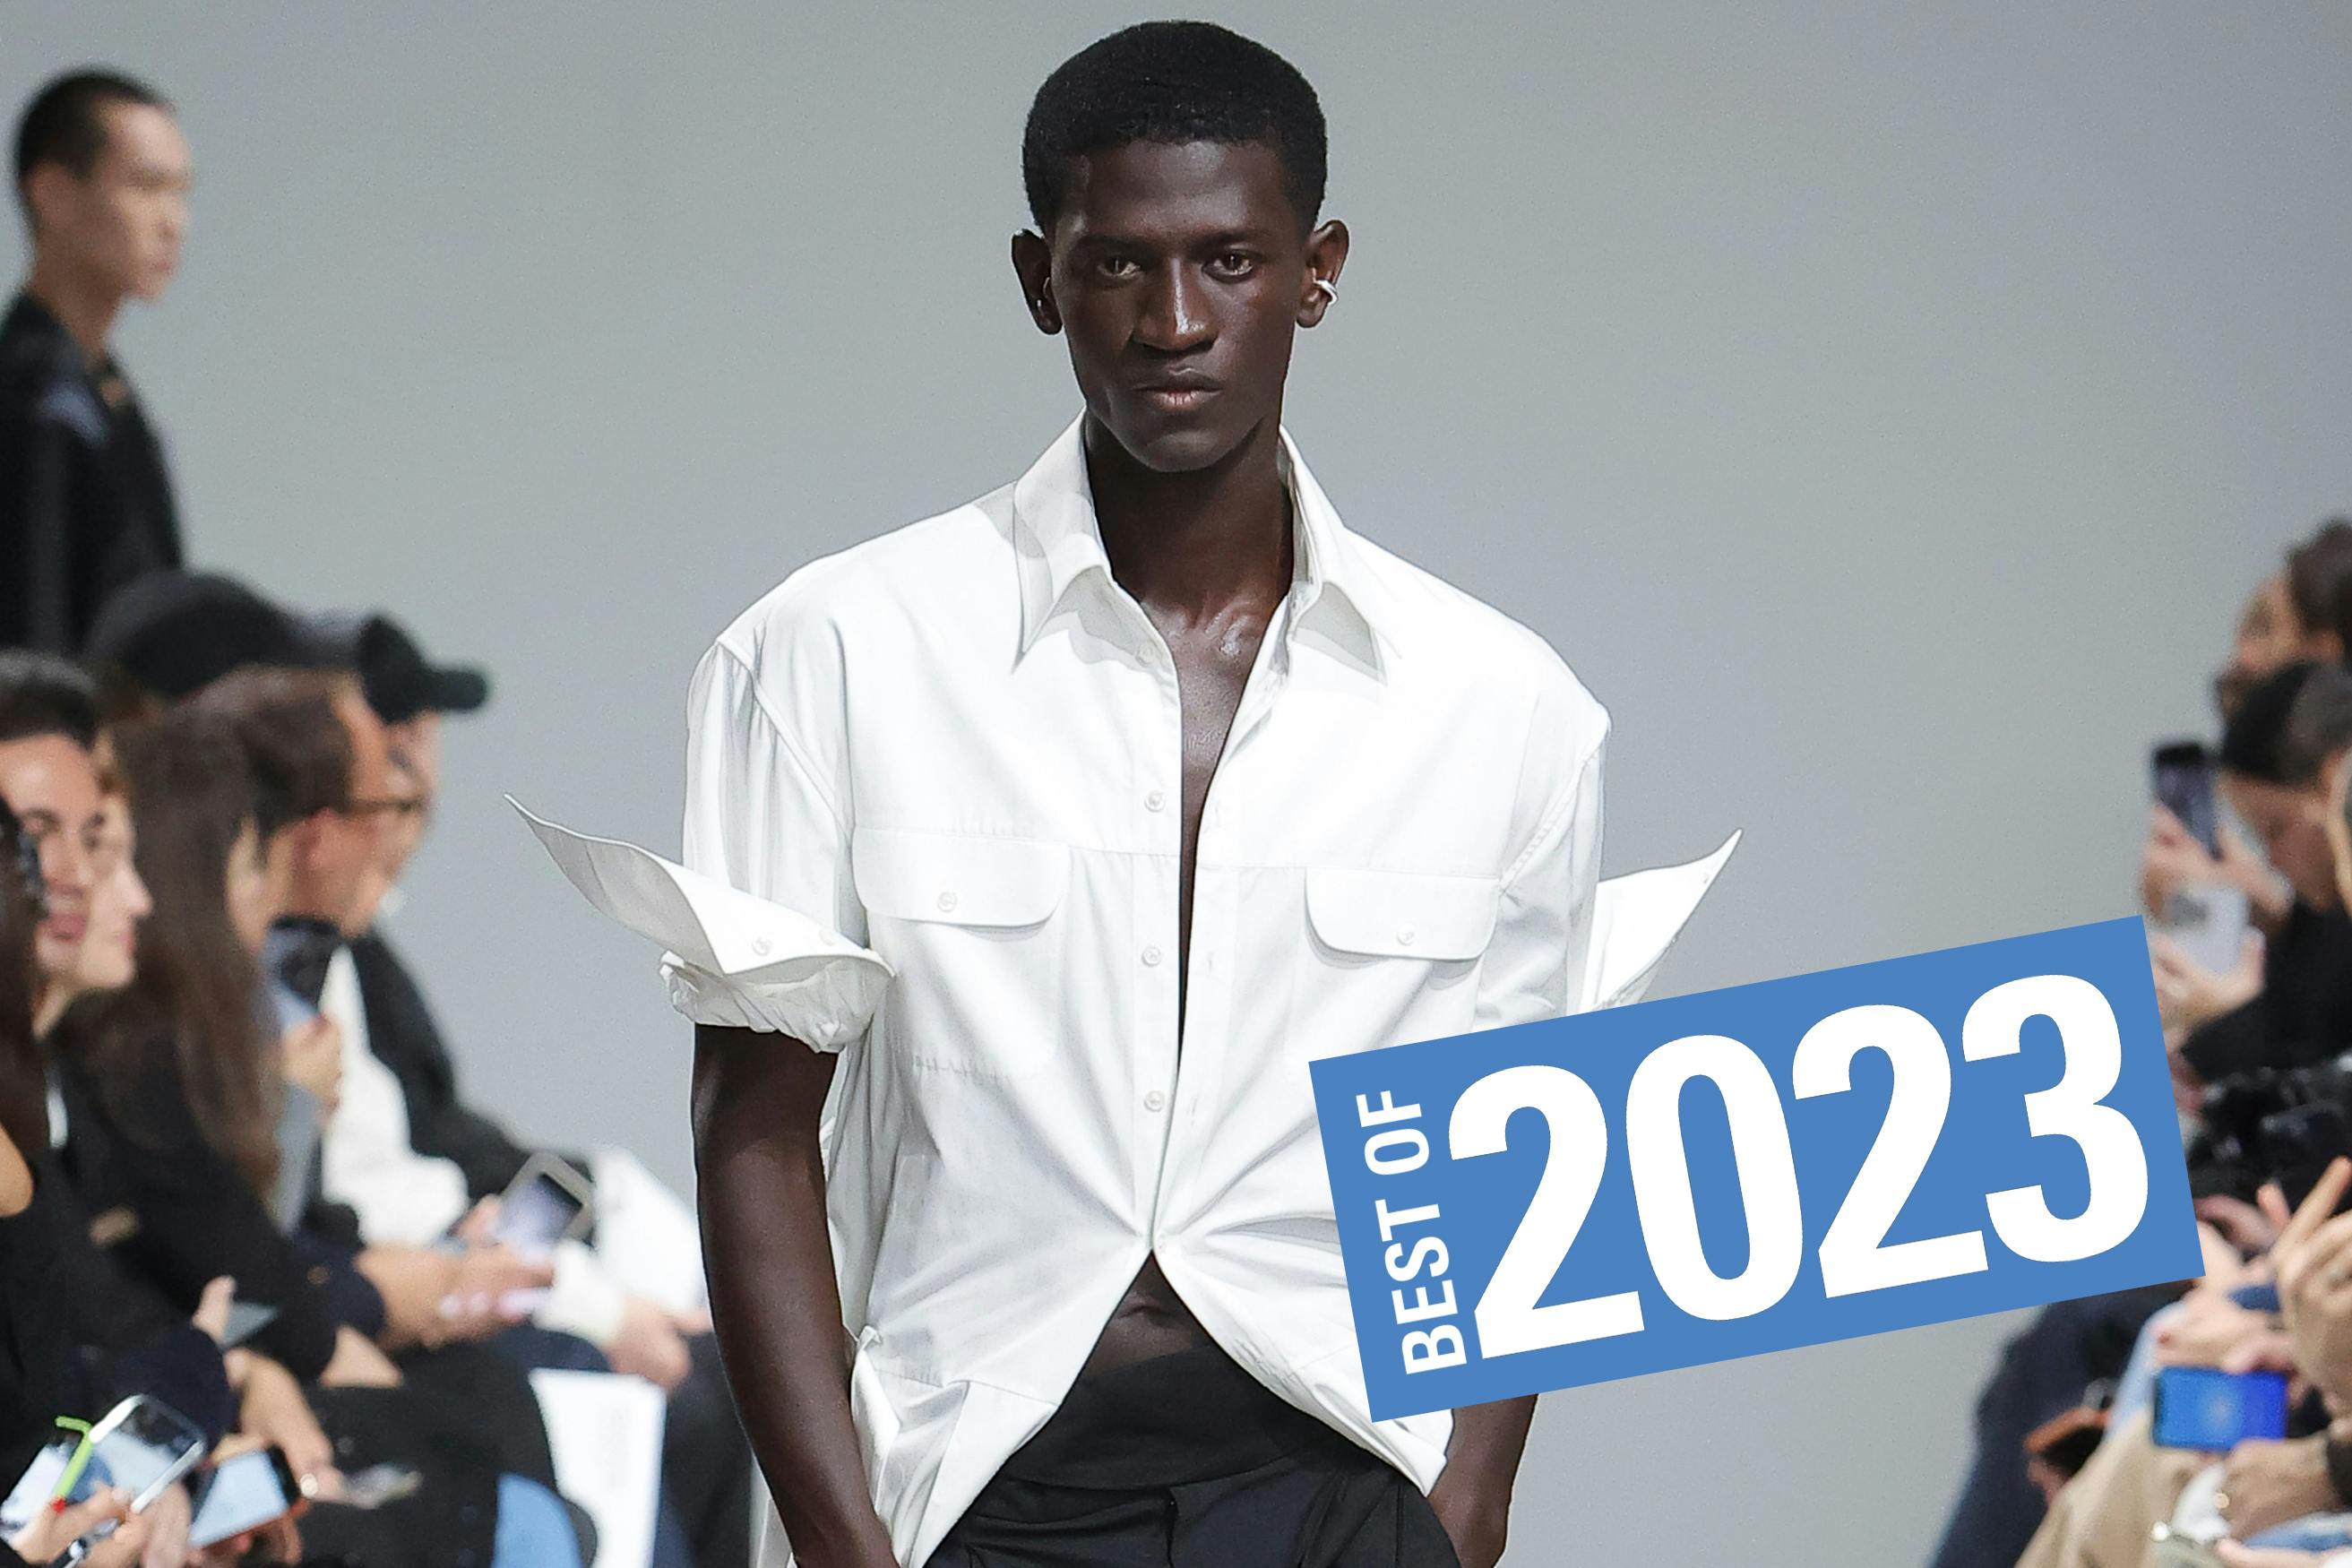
(947, 903)
(1154, 801)
(1155, 1100)
(760, 944)
(1151, 957)
(1405, 935)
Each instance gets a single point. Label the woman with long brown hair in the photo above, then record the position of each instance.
(172, 1082)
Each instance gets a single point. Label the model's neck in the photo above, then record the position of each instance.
(87, 310)
(1193, 545)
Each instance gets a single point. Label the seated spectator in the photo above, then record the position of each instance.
(2301, 614)
(468, 1504)
(22, 1431)
(2302, 1010)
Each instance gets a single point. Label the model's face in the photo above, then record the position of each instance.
(122, 225)
(1179, 273)
(52, 786)
(2292, 825)
(109, 948)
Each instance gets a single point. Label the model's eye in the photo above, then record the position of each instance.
(1235, 264)
(1117, 267)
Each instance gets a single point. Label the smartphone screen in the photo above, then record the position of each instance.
(2184, 787)
(243, 1493)
(246, 1319)
(536, 1214)
(142, 1447)
(295, 957)
(2200, 1407)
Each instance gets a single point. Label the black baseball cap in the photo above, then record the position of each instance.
(175, 632)
(400, 681)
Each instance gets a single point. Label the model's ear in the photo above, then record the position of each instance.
(1327, 253)
(1033, 263)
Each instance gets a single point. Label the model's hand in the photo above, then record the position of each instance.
(1475, 1522)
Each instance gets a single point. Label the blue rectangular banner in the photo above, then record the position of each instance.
(1757, 1168)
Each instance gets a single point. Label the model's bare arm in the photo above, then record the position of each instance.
(773, 1299)
(1472, 1497)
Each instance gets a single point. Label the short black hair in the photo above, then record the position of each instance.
(42, 694)
(1173, 82)
(2255, 742)
(2318, 725)
(2319, 580)
(66, 121)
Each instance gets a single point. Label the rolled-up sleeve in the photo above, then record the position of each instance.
(1534, 963)
(763, 817)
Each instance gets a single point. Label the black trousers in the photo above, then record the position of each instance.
(1186, 1461)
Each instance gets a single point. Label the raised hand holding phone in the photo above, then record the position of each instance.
(55, 1530)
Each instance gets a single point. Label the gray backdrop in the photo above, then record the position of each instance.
(1885, 410)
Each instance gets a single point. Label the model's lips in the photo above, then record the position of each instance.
(1177, 397)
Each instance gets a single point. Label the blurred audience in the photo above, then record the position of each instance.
(86, 506)
(2068, 1471)
(131, 1085)
(241, 1085)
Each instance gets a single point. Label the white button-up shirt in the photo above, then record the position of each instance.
(959, 745)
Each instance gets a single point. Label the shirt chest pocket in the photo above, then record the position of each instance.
(1357, 914)
(1396, 954)
(968, 920)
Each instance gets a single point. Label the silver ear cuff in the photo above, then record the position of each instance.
(1330, 289)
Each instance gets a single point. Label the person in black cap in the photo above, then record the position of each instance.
(86, 501)
(636, 1292)
(173, 632)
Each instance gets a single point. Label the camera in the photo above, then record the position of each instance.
(2272, 1125)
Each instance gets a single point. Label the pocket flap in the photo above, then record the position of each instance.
(1402, 914)
(958, 879)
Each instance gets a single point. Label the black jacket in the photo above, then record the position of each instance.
(2301, 1015)
(403, 1036)
(77, 1334)
(178, 1213)
(85, 498)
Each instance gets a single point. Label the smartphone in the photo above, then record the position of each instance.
(546, 1203)
(143, 1446)
(295, 957)
(2184, 787)
(246, 1319)
(2204, 1408)
(244, 1492)
(2300, 1143)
